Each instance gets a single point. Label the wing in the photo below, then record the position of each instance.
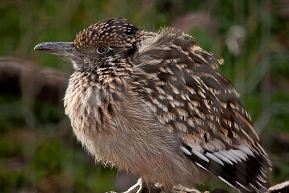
(178, 82)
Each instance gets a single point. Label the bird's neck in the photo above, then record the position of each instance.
(106, 74)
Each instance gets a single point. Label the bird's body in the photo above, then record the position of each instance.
(153, 104)
(132, 139)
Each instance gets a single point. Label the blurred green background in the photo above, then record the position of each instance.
(38, 152)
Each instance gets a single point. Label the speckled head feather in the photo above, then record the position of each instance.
(114, 33)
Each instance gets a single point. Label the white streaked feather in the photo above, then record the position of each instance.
(230, 152)
(212, 157)
(228, 155)
(261, 179)
(242, 155)
(246, 150)
(263, 173)
(226, 181)
(261, 149)
(185, 150)
(223, 158)
(201, 166)
(242, 186)
(254, 187)
(261, 185)
(200, 155)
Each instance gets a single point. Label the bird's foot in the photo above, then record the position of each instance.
(182, 189)
(137, 188)
(142, 187)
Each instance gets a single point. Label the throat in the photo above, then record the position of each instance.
(111, 71)
(89, 102)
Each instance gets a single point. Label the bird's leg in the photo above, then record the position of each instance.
(137, 188)
(182, 189)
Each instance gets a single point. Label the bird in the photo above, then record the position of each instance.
(155, 105)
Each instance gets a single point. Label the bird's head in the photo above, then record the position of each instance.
(98, 45)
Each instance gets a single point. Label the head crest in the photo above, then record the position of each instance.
(114, 33)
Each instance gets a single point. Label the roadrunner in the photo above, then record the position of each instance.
(154, 104)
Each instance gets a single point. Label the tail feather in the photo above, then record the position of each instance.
(242, 170)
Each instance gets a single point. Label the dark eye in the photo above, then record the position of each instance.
(102, 50)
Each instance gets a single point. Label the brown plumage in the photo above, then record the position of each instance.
(154, 104)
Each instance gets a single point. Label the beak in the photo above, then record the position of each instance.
(63, 49)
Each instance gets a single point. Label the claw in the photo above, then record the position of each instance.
(137, 188)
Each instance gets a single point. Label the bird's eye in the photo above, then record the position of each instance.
(102, 50)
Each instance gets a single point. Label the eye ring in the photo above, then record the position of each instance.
(102, 50)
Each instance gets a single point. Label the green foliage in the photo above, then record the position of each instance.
(48, 164)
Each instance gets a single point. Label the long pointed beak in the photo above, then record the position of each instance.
(62, 49)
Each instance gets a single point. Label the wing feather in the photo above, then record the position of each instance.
(179, 82)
